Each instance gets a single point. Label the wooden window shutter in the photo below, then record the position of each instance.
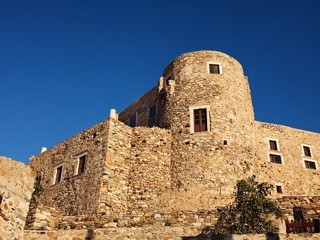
(200, 120)
(273, 145)
(214, 68)
(307, 151)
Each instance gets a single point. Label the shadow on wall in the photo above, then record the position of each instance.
(269, 236)
(90, 234)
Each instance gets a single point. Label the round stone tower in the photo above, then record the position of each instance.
(209, 111)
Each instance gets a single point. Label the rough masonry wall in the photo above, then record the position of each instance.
(310, 206)
(114, 182)
(295, 179)
(141, 108)
(156, 233)
(16, 185)
(75, 194)
(209, 163)
(150, 166)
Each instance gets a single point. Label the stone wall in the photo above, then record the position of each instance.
(310, 206)
(156, 233)
(150, 166)
(155, 97)
(16, 185)
(114, 181)
(208, 163)
(292, 174)
(75, 194)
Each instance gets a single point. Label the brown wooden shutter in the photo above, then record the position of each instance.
(307, 151)
(273, 145)
(200, 120)
(275, 158)
(214, 68)
(310, 165)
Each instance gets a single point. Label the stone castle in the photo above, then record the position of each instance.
(162, 166)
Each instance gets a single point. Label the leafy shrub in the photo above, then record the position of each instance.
(249, 212)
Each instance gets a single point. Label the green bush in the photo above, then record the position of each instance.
(249, 212)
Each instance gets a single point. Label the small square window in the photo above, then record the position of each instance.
(81, 164)
(310, 164)
(275, 158)
(214, 68)
(273, 145)
(152, 115)
(58, 174)
(307, 151)
(279, 188)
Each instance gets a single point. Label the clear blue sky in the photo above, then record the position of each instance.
(65, 63)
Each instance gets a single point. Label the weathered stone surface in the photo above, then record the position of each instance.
(16, 184)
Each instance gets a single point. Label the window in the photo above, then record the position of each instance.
(58, 174)
(298, 214)
(274, 151)
(307, 160)
(152, 115)
(199, 119)
(306, 151)
(168, 79)
(81, 164)
(275, 158)
(133, 120)
(214, 68)
(310, 164)
(273, 145)
(279, 188)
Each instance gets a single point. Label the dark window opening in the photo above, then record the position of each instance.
(273, 145)
(279, 189)
(307, 151)
(82, 164)
(58, 175)
(0, 199)
(275, 158)
(152, 115)
(310, 164)
(200, 120)
(297, 214)
(214, 68)
(133, 121)
(167, 80)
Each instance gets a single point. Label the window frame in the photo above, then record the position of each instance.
(191, 119)
(77, 166)
(303, 152)
(54, 180)
(277, 144)
(276, 154)
(304, 160)
(214, 63)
